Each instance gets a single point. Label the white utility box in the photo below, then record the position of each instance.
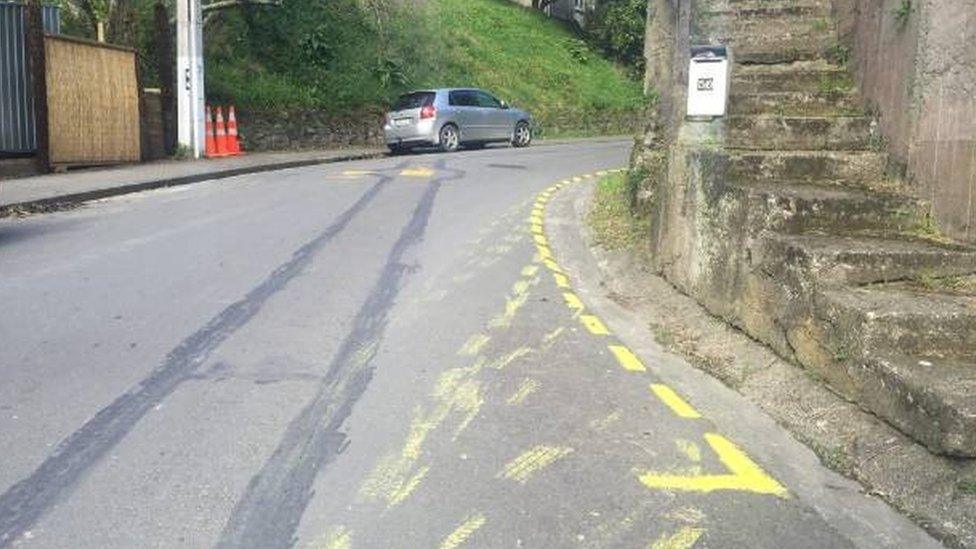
(708, 81)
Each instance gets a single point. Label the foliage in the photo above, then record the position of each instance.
(617, 29)
(903, 12)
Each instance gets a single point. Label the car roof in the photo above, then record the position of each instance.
(442, 90)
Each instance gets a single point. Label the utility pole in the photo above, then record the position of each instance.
(189, 76)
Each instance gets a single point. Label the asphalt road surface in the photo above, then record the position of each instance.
(405, 352)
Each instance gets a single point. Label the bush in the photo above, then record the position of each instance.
(617, 28)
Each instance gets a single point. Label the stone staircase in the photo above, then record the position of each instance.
(838, 266)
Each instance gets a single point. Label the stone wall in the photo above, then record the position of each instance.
(919, 72)
(293, 130)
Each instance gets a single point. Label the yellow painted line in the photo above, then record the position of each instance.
(601, 173)
(552, 189)
(526, 388)
(474, 344)
(460, 535)
(357, 172)
(536, 219)
(627, 359)
(561, 280)
(744, 474)
(544, 251)
(532, 461)
(588, 176)
(577, 179)
(565, 182)
(530, 270)
(538, 211)
(594, 325)
(677, 404)
(338, 538)
(552, 265)
(689, 449)
(684, 538)
(537, 228)
(540, 240)
(573, 301)
(417, 172)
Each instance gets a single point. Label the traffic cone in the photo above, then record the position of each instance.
(233, 142)
(211, 146)
(221, 133)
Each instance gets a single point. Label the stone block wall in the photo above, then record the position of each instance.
(918, 70)
(294, 130)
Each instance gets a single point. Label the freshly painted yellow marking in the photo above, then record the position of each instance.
(588, 176)
(356, 173)
(685, 538)
(537, 229)
(540, 239)
(552, 265)
(565, 182)
(745, 475)
(544, 251)
(573, 301)
(530, 270)
(594, 325)
(577, 179)
(474, 344)
(417, 172)
(526, 388)
(338, 538)
(552, 189)
(677, 404)
(531, 461)
(538, 211)
(535, 219)
(561, 280)
(601, 173)
(461, 534)
(627, 359)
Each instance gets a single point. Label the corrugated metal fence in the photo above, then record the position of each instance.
(16, 101)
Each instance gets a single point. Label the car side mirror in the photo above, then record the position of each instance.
(504, 105)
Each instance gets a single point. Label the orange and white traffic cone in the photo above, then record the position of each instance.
(221, 134)
(211, 146)
(233, 142)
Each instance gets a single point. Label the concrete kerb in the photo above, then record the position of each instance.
(67, 201)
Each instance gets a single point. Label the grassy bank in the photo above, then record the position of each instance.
(613, 224)
(350, 55)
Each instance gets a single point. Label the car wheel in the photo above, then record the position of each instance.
(450, 138)
(523, 135)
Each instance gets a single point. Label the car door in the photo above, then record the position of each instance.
(496, 120)
(468, 114)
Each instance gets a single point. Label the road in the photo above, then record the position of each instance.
(404, 352)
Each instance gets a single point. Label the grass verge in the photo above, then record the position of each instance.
(614, 225)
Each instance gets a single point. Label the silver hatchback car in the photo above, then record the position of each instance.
(451, 117)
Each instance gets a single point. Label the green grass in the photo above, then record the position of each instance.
(343, 56)
(611, 219)
(530, 61)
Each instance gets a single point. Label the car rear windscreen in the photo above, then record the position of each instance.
(413, 100)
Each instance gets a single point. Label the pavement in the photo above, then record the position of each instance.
(39, 193)
(396, 352)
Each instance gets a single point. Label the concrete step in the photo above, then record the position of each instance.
(795, 103)
(770, 33)
(799, 209)
(855, 260)
(808, 76)
(829, 168)
(922, 324)
(852, 133)
(932, 401)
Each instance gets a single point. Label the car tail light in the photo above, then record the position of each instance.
(427, 112)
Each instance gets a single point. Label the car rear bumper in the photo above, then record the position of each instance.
(420, 133)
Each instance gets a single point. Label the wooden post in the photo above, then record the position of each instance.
(38, 72)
